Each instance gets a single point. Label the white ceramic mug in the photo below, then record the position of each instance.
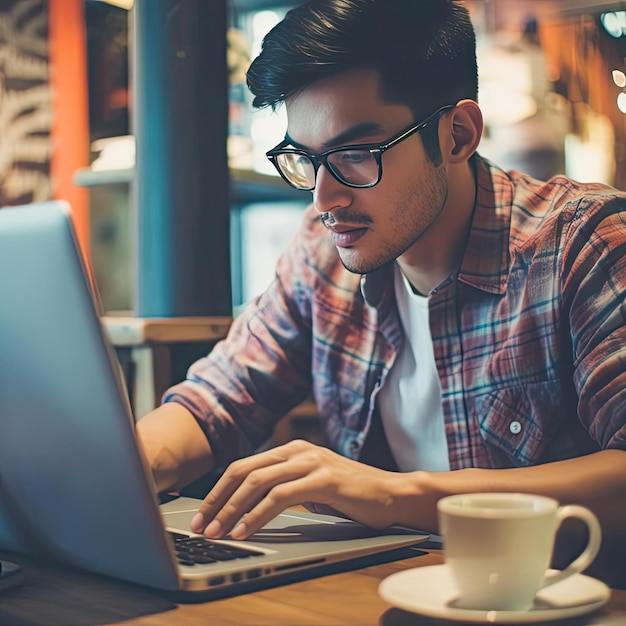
(499, 545)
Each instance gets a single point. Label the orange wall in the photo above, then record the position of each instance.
(70, 126)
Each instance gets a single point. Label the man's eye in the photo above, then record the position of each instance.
(354, 157)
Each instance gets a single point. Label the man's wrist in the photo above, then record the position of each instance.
(415, 500)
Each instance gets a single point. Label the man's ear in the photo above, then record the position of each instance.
(465, 128)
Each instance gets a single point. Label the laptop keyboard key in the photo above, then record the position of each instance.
(192, 550)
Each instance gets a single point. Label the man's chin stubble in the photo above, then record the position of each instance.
(362, 268)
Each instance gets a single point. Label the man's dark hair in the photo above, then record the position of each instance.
(424, 51)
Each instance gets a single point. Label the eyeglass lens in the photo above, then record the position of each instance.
(354, 167)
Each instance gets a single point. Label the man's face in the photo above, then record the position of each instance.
(373, 225)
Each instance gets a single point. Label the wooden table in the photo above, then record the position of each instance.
(53, 597)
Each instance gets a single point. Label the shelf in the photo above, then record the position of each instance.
(127, 330)
(86, 177)
(247, 186)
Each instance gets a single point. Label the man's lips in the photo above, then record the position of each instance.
(343, 228)
(345, 235)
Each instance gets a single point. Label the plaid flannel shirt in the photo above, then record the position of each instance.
(529, 335)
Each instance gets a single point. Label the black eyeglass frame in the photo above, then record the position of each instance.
(376, 150)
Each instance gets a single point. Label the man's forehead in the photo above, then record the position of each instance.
(340, 88)
(347, 108)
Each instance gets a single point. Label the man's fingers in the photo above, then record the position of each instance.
(228, 484)
(280, 497)
(257, 486)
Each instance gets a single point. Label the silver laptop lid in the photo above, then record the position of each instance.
(65, 491)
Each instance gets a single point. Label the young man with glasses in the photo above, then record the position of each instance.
(461, 328)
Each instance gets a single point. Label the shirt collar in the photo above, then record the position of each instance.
(376, 284)
(485, 264)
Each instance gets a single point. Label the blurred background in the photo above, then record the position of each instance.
(80, 82)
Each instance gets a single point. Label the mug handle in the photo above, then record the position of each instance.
(588, 554)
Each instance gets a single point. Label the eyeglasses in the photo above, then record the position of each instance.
(358, 166)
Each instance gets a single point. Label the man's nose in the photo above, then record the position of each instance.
(329, 194)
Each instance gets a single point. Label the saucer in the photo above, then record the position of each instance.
(431, 591)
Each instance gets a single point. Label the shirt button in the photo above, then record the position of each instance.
(515, 427)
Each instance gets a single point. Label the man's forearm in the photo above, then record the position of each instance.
(174, 445)
(597, 481)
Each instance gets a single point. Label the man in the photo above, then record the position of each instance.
(461, 328)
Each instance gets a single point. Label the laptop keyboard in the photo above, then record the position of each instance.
(200, 551)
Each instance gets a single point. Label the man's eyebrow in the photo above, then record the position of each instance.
(352, 135)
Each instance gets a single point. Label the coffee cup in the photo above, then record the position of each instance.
(498, 547)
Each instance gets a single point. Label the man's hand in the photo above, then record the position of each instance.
(263, 485)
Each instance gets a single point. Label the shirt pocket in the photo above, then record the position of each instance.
(518, 424)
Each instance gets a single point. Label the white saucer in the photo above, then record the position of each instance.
(431, 591)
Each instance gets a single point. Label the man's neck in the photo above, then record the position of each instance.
(439, 253)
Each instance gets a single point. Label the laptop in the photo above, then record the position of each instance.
(74, 486)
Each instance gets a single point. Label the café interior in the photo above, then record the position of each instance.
(85, 118)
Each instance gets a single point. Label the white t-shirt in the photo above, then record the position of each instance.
(410, 401)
